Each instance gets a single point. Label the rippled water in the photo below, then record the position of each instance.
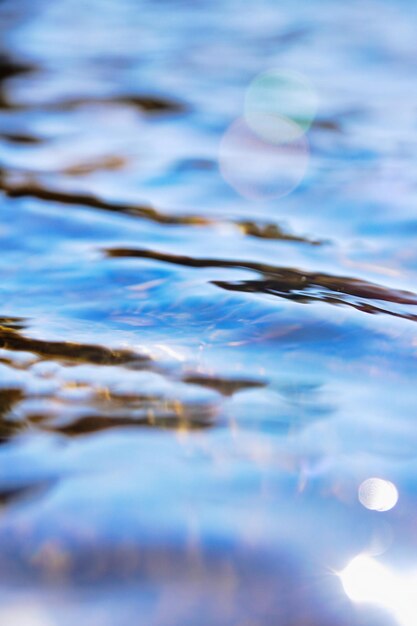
(195, 380)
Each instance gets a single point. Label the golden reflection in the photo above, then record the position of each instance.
(366, 580)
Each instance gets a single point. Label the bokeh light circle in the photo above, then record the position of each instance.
(377, 494)
(280, 94)
(258, 169)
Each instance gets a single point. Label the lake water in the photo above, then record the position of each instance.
(208, 326)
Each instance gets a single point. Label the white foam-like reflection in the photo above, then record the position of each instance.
(367, 580)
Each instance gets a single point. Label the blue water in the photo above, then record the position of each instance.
(194, 383)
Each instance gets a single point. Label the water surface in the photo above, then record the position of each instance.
(195, 383)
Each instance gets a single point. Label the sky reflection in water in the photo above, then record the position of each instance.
(207, 397)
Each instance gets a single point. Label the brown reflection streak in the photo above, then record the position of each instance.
(275, 288)
(9, 68)
(151, 105)
(113, 410)
(21, 138)
(109, 163)
(96, 423)
(8, 399)
(108, 412)
(96, 355)
(105, 409)
(225, 386)
(14, 323)
(272, 231)
(148, 103)
(289, 283)
(31, 189)
(13, 494)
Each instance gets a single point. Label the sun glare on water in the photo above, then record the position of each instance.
(367, 580)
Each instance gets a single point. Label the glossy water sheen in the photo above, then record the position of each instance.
(194, 385)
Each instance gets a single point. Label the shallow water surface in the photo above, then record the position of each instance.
(208, 342)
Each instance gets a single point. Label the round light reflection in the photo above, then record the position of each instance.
(280, 94)
(260, 170)
(377, 494)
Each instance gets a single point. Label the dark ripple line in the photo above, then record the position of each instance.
(289, 283)
(10, 495)
(96, 423)
(90, 201)
(251, 228)
(93, 354)
(147, 103)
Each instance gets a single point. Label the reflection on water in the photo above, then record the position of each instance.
(366, 580)
(207, 327)
(377, 494)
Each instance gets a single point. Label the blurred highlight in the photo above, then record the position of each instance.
(280, 95)
(259, 170)
(378, 495)
(368, 581)
(265, 154)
